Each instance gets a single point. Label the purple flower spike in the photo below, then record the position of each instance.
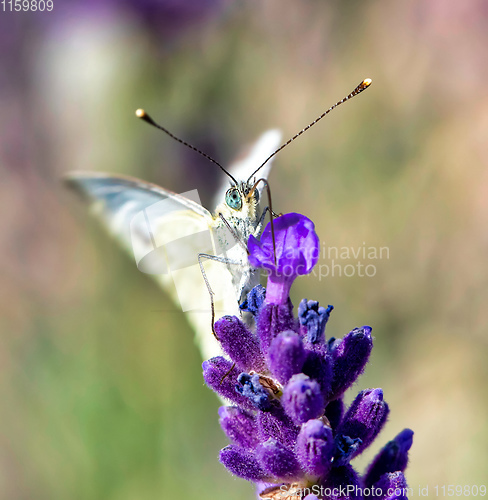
(315, 447)
(313, 320)
(277, 460)
(239, 343)
(393, 457)
(393, 483)
(254, 301)
(242, 463)
(239, 426)
(364, 418)
(297, 249)
(286, 356)
(349, 359)
(250, 387)
(220, 375)
(289, 432)
(302, 399)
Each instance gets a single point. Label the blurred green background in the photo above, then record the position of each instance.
(101, 389)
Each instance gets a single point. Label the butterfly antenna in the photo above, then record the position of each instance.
(362, 86)
(140, 113)
(271, 213)
(227, 374)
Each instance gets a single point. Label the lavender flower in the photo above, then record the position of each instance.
(288, 428)
(297, 248)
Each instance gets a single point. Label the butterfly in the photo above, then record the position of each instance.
(170, 235)
(173, 238)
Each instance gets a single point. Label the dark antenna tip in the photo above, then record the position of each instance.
(359, 88)
(140, 113)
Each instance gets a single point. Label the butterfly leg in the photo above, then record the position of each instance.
(215, 258)
(233, 233)
(260, 224)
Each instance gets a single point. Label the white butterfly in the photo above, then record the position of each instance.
(166, 232)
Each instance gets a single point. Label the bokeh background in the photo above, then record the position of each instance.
(101, 389)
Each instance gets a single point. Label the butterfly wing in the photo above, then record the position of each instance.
(164, 232)
(117, 199)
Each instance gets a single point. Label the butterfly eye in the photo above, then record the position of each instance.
(233, 199)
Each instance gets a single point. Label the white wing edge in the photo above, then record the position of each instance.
(73, 177)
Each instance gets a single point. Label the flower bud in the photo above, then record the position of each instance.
(392, 457)
(364, 418)
(349, 356)
(276, 424)
(221, 376)
(242, 463)
(239, 426)
(272, 320)
(277, 460)
(239, 343)
(286, 356)
(315, 447)
(302, 399)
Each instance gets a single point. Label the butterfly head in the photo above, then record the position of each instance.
(241, 206)
(241, 195)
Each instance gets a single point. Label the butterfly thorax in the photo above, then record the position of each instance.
(234, 221)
